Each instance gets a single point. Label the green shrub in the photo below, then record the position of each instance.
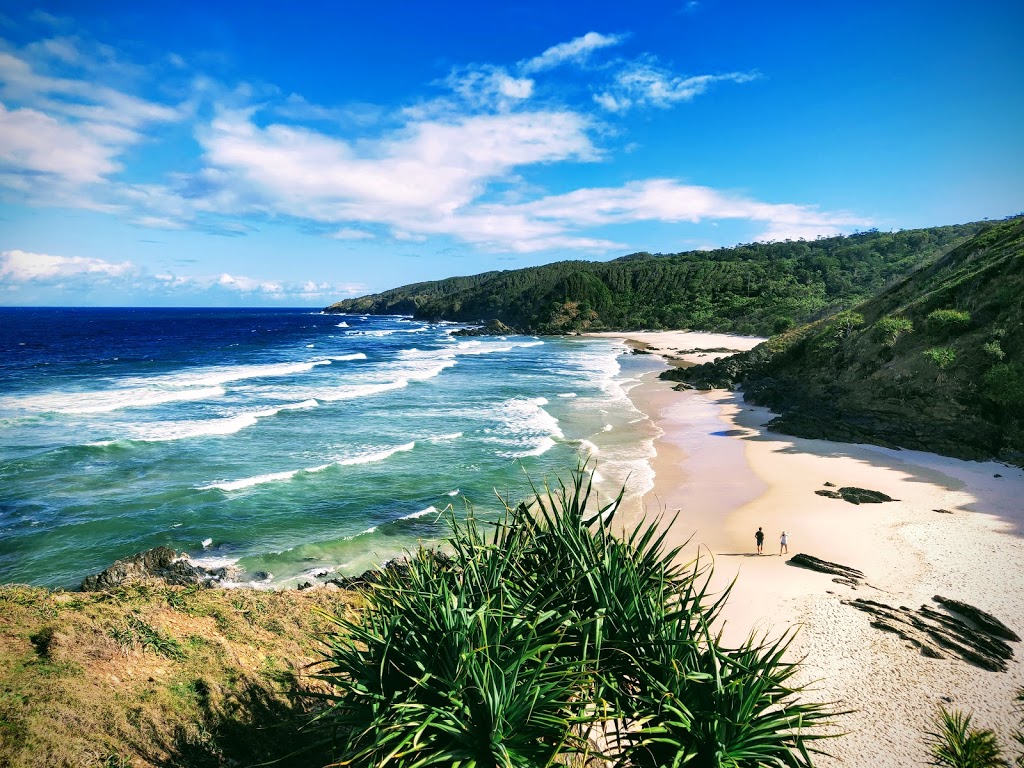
(891, 328)
(941, 356)
(1018, 735)
(948, 320)
(955, 744)
(511, 650)
(993, 350)
(1003, 384)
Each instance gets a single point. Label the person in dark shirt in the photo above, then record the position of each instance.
(759, 538)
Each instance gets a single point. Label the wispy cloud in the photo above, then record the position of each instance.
(71, 275)
(670, 201)
(574, 51)
(18, 266)
(644, 84)
(489, 87)
(71, 109)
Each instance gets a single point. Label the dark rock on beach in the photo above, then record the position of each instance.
(824, 566)
(986, 621)
(974, 635)
(161, 563)
(857, 495)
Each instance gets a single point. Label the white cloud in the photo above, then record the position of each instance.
(432, 170)
(62, 137)
(575, 51)
(35, 142)
(643, 84)
(489, 87)
(18, 266)
(670, 201)
(414, 180)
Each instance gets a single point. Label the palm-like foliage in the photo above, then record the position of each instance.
(545, 631)
(1018, 736)
(956, 744)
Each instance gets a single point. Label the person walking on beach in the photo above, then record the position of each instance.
(784, 543)
(759, 539)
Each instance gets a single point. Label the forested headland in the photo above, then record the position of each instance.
(760, 288)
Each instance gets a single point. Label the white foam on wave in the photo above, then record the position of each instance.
(588, 448)
(276, 477)
(342, 324)
(148, 391)
(524, 427)
(487, 348)
(229, 373)
(249, 482)
(404, 373)
(206, 543)
(543, 445)
(445, 438)
(352, 356)
(567, 395)
(431, 510)
(164, 431)
(376, 456)
(453, 493)
(214, 561)
(114, 400)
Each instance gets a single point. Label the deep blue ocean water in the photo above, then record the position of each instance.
(284, 441)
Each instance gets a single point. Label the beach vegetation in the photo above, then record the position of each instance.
(542, 638)
(945, 321)
(993, 350)
(1018, 735)
(891, 328)
(1003, 384)
(943, 357)
(955, 743)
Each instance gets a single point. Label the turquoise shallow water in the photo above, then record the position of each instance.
(284, 441)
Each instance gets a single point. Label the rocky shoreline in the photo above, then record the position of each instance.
(167, 566)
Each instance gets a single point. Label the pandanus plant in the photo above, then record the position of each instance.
(544, 638)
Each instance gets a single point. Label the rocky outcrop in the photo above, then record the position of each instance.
(724, 373)
(986, 621)
(492, 328)
(824, 566)
(857, 495)
(971, 636)
(159, 563)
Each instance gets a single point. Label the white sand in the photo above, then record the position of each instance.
(683, 346)
(728, 475)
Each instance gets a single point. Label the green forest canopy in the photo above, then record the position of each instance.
(761, 288)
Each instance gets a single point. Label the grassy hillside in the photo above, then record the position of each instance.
(935, 362)
(751, 289)
(151, 675)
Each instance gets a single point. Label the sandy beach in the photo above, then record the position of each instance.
(726, 475)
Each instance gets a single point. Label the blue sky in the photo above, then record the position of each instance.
(185, 154)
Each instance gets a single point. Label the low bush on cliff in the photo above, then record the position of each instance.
(548, 639)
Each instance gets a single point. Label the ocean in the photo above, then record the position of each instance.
(285, 442)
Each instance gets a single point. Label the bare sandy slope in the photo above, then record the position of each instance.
(684, 347)
(726, 475)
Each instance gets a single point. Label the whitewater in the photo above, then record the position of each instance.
(286, 443)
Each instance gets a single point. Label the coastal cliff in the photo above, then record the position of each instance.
(936, 362)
